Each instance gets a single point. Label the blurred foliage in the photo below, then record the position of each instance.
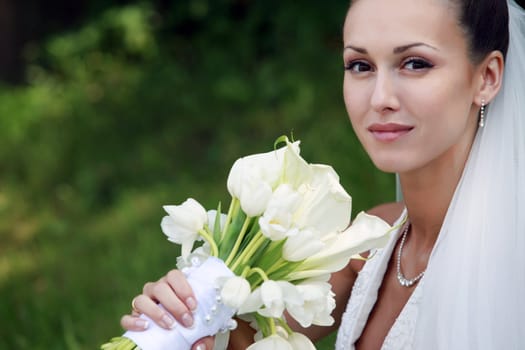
(145, 105)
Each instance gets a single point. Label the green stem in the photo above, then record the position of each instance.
(256, 243)
(231, 210)
(278, 264)
(285, 325)
(273, 330)
(263, 324)
(246, 271)
(209, 239)
(250, 249)
(238, 242)
(258, 271)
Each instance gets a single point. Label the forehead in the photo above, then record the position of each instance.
(399, 21)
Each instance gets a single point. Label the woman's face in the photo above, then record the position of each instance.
(409, 85)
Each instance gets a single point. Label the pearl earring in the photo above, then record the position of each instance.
(482, 114)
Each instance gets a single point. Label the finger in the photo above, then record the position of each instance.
(173, 304)
(204, 344)
(176, 295)
(144, 304)
(133, 323)
(178, 282)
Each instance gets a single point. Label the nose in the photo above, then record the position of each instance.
(384, 97)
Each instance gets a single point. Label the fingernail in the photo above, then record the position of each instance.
(187, 320)
(201, 347)
(168, 321)
(142, 324)
(191, 303)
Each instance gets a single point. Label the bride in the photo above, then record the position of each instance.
(434, 95)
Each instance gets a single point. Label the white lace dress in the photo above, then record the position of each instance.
(363, 298)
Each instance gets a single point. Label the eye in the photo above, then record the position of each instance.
(417, 64)
(358, 67)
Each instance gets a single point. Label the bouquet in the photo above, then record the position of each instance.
(286, 230)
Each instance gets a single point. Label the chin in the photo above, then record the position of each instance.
(389, 164)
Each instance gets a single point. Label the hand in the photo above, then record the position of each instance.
(178, 300)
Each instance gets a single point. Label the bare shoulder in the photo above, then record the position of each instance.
(389, 212)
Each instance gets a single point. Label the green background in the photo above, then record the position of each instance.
(122, 107)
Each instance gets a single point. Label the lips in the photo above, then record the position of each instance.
(389, 132)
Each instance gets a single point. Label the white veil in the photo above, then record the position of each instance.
(474, 286)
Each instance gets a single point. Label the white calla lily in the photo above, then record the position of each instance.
(183, 223)
(296, 170)
(235, 291)
(302, 245)
(308, 273)
(326, 205)
(299, 341)
(273, 342)
(366, 232)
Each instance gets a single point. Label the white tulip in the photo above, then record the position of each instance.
(292, 296)
(272, 298)
(273, 342)
(365, 233)
(183, 223)
(299, 341)
(276, 222)
(317, 307)
(252, 303)
(253, 178)
(255, 194)
(235, 291)
(276, 296)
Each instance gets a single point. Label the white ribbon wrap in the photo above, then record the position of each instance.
(211, 316)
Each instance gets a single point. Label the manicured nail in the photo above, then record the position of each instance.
(191, 304)
(140, 323)
(201, 347)
(168, 321)
(187, 320)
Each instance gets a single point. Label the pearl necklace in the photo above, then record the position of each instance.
(402, 279)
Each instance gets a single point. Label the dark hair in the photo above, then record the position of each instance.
(486, 26)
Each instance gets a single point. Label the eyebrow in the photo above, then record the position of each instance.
(396, 50)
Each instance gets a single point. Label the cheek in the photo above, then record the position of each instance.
(440, 106)
(444, 123)
(356, 101)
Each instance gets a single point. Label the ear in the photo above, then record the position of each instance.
(490, 75)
